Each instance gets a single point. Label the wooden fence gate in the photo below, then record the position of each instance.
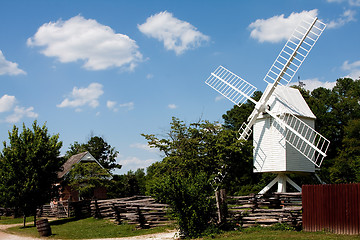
(331, 207)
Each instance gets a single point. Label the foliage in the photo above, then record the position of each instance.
(99, 149)
(188, 197)
(126, 185)
(237, 115)
(199, 158)
(28, 168)
(85, 177)
(202, 147)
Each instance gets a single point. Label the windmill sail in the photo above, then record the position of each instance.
(230, 85)
(286, 64)
(302, 137)
(295, 51)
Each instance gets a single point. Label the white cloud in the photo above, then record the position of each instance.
(129, 105)
(219, 98)
(133, 163)
(83, 96)
(111, 105)
(355, 3)
(172, 106)
(86, 40)
(353, 68)
(347, 16)
(7, 67)
(277, 28)
(149, 76)
(7, 103)
(114, 106)
(177, 35)
(311, 84)
(144, 146)
(19, 113)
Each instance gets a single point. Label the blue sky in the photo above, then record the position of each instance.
(121, 68)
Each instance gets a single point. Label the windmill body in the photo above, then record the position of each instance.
(284, 137)
(271, 151)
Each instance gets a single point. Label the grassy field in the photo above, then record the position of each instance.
(11, 220)
(263, 233)
(71, 228)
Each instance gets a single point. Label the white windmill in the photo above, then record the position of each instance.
(284, 137)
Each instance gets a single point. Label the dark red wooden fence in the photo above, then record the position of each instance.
(331, 207)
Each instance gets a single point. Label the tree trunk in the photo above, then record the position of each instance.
(35, 218)
(24, 220)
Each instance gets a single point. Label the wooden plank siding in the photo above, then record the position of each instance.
(332, 207)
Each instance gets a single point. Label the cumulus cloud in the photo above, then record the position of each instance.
(277, 28)
(21, 112)
(9, 68)
(219, 98)
(114, 106)
(144, 146)
(346, 17)
(177, 35)
(7, 103)
(86, 40)
(172, 106)
(111, 105)
(352, 68)
(129, 163)
(355, 3)
(80, 97)
(128, 106)
(311, 84)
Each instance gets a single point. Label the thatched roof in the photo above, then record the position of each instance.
(74, 159)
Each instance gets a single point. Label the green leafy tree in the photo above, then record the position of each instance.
(28, 168)
(85, 177)
(198, 158)
(126, 185)
(99, 149)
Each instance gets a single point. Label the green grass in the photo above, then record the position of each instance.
(269, 234)
(11, 220)
(71, 228)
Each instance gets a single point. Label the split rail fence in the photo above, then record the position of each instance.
(266, 210)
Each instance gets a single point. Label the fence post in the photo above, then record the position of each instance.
(221, 205)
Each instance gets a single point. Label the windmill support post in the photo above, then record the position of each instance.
(281, 180)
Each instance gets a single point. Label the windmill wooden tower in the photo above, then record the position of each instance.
(284, 137)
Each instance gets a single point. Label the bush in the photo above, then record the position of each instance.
(190, 201)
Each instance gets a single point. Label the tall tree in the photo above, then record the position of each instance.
(28, 168)
(99, 148)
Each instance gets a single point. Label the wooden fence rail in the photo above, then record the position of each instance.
(266, 210)
(144, 211)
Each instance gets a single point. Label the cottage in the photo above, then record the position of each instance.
(66, 192)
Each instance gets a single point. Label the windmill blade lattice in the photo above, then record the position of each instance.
(302, 137)
(230, 85)
(295, 51)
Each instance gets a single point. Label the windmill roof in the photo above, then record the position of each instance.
(289, 100)
(74, 159)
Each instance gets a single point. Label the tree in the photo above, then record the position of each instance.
(28, 168)
(198, 158)
(127, 185)
(85, 177)
(99, 149)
